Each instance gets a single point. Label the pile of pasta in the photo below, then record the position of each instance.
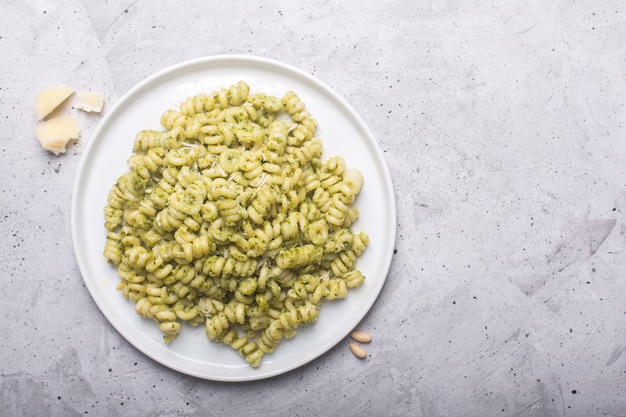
(230, 218)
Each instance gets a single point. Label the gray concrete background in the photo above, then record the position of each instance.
(503, 126)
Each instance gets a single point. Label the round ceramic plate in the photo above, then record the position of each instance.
(342, 132)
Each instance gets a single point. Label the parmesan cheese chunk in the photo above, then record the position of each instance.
(90, 102)
(48, 100)
(55, 134)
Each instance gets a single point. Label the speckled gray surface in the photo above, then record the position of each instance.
(503, 126)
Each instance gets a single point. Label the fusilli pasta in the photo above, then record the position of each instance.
(230, 218)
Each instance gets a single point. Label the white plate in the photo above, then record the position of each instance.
(342, 132)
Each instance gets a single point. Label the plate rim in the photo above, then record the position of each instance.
(95, 137)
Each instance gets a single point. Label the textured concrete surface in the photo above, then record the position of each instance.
(503, 126)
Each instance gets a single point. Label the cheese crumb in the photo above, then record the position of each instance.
(48, 100)
(56, 133)
(90, 102)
